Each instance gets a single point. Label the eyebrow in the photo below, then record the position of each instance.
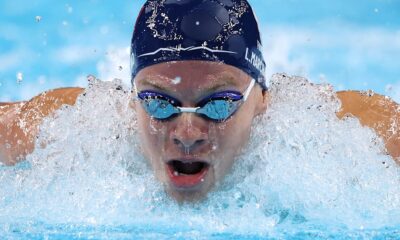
(148, 81)
(221, 80)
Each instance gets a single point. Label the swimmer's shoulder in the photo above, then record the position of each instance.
(47, 100)
(370, 107)
(375, 111)
(52, 100)
(20, 121)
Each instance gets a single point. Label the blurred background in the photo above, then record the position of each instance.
(351, 44)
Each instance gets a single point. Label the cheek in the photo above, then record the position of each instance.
(235, 133)
(153, 135)
(232, 137)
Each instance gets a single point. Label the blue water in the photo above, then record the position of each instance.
(304, 175)
(46, 231)
(136, 232)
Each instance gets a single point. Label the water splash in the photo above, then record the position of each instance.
(20, 77)
(303, 170)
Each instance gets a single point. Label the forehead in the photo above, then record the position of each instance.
(183, 75)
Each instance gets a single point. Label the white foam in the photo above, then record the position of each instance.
(303, 166)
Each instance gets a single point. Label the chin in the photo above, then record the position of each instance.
(192, 195)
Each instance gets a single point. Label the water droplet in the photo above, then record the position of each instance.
(91, 78)
(202, 180)
(120, 68)
(42, 80)
(237, 195)
(20, 77)
(176, 173)
(177, 80)
(376, 10)
(197, 23)
(69, 8)
(389, 88)
(38, 18)
(64, 23)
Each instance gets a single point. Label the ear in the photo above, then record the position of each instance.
(262, 102)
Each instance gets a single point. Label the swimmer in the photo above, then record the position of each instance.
(198, 79)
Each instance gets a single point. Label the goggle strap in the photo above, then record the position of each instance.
(135, 89)
(248, 90)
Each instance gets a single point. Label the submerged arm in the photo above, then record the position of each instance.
(377, 112)
(19, 122)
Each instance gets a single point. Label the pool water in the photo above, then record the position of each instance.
(40, 231)
(304, 175)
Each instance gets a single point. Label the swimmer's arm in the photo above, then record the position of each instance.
(19, 122)
(377, 112)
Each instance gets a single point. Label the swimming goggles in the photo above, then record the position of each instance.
(216, 107)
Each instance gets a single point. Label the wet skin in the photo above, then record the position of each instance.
(172, 145)
(190, 139)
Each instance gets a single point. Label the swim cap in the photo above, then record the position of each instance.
(210, 30)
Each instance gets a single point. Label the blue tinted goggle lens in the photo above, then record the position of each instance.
(217, 107)
(159, 108)
(218, 110)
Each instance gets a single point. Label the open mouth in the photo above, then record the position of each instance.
(187, 174)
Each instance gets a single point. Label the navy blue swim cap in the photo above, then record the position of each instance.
(210, 30)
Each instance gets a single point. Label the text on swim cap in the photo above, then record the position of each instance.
(255, 60)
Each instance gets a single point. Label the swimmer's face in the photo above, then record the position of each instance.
(188, 152)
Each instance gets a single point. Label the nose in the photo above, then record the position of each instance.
(190, 133)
